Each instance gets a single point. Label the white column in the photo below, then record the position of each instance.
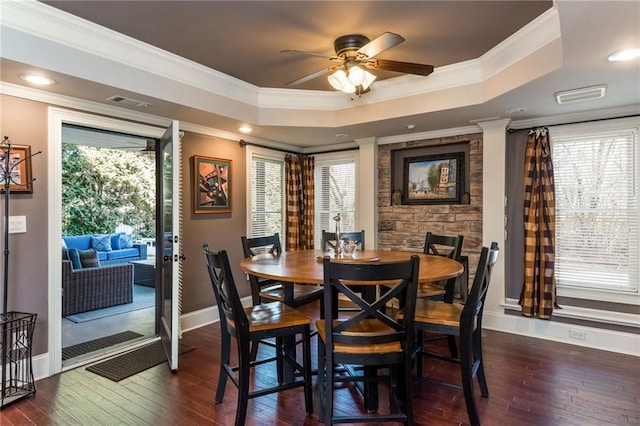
(494, 138)
(367, 195)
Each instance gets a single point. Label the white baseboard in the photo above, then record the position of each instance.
(189, 321)
(197, 319)
(206, 316)
(596, 338)
(41, 368)
(607, 340)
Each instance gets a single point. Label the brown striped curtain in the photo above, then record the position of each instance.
(538, 297)
(300, 202)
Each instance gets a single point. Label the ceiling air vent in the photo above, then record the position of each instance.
(129, 101)
(579, 95)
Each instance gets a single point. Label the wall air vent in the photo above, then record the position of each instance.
(580, 95)
(129, 101)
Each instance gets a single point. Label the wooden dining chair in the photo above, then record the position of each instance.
(370, 338)
(263, 289)
(464, 321)
(268, 290)
(246, 325)
(328, 240)
(451, 247)
(447, 246)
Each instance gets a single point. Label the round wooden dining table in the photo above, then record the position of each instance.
(305, 266)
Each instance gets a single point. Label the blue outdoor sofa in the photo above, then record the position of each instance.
(112, 249)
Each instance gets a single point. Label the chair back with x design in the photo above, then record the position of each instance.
(273, 320)
(372, 337)
(328, 240)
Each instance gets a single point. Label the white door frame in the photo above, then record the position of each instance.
(56, 117)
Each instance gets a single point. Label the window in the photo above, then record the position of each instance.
(596, 179)
(335, 189)
(266, 203)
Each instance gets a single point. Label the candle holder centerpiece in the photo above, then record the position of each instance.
(338, 249)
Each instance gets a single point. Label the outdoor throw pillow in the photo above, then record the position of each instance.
(74, 255)
(89, 258)
(101, 243)
(126, 241)
(115, 241)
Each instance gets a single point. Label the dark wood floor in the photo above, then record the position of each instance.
(531, 382)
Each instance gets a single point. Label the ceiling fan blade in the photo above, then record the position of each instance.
(381, 43)
(309, 77)
(403, 67)
(301, 52)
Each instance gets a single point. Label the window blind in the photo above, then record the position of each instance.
(335, 187)
(596, 179)
(267, 201)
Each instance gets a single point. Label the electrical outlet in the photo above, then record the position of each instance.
(574, 333)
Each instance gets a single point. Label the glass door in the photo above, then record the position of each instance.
(168, 250)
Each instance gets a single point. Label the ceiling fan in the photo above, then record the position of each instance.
(355, 53)
(144, 146)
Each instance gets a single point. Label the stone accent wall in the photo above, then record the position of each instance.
(404, 227)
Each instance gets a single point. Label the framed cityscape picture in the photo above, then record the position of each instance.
(211, 185)
(433, 179)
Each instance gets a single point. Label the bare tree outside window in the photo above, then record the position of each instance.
(596, 210)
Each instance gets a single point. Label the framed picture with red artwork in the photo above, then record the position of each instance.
(211, 185)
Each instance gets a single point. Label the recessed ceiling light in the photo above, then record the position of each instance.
(625, 55)
(245, 129)
(342, 135)
(411, 126)
(37, 79)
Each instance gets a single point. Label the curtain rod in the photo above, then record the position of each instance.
(243, 143)
(511, 130)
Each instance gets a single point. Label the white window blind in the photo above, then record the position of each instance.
(267, 197)
(596, 179)
(335, 188)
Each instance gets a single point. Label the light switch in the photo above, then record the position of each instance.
(17, 224)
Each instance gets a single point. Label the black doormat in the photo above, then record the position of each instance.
(97, 344)
(134, 362)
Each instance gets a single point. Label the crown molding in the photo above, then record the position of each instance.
(43, 21)
(98, 108)
(80, 104)
(121, 113)
(443, 133)
(538, 33)
(297, 99)
(555, 120)
(208, 131)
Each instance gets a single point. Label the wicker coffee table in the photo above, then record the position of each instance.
(144, 272)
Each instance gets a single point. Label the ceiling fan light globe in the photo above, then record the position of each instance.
(349, 88)
(368, 79)
(338, 80)
(356, 75)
